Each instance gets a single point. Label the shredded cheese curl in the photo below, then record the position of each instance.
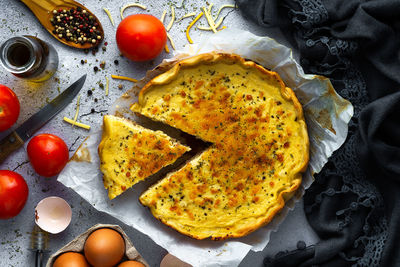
(172, 18)
(219, 22)
(131, 5)
(109, 15)
(222, 7)
(210, 20)
(123, 78)
(190, 26)
(171, 41)
(188, 15)
(107, 85)
(82, 125)
(77, 109)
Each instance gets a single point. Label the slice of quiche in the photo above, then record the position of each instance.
(259, 150)
(129, 153)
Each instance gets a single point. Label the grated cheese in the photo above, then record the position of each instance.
(172, 18)
(190, 26)
(210, 20)
(222, 7)
(77, 109)
(131, 5)
(107, 85)
(163, 16)
(84, 126)
(219, 22)
(222, 28)
(188, 15)
(170, 40)
(123, 78)
(109, 15)
(210, 8)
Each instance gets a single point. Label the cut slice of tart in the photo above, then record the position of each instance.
(129, 153)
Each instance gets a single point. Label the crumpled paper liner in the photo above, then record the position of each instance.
(78, 243)
(326, 113)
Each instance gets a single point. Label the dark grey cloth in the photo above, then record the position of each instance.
(379, 149)
(356, 43)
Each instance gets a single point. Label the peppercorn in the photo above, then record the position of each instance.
(95, 68)
(95, 100)
(101, 85)
(120, 87)
(82, 62)
(92, 110)
(89, 92)
(116, 62)
(76, 25)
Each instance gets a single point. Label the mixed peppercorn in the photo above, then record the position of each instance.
(76, 25)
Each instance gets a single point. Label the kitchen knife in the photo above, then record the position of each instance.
(17, 138)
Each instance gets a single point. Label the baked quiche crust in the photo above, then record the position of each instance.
(260, 145)
(129, 153)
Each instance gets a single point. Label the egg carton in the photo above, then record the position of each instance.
(78, 243)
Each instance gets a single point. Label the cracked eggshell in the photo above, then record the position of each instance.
(53, 214)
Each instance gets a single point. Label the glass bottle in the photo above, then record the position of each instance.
(29, 58)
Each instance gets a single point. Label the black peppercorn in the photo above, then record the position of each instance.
(76, 25)
(116, 62)
(82, 62)
(95, 68)
(89, 92)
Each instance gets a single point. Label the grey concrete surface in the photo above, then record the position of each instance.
(17, 19)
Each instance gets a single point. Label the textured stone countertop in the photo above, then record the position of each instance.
(16, 19)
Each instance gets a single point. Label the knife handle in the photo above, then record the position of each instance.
(9, 144)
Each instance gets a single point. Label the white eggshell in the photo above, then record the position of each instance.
(53, 214)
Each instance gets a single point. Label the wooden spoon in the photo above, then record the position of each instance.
(43, 11)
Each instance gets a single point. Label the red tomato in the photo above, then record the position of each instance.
(48, 154)
(13, 194)
(9, 108)
(141, 37)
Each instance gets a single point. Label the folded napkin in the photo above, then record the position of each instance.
(356, 44)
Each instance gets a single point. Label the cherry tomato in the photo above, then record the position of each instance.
(13, 194)
(48, 154)
(9, 108)
(141, 37)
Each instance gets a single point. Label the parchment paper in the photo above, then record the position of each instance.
(327, 115)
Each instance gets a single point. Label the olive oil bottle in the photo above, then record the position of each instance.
(29, 58)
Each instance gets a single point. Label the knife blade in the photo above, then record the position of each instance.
(17, 138)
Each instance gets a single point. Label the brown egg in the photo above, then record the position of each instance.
(104, 248)
(71, 259)
(131, 264)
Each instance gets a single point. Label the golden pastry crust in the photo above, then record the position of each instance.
(129, 153)
(260, 145)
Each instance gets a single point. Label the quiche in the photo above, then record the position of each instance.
(129, 153)
(259, 150)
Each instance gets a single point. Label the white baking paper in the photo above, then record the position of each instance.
(327, 115)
